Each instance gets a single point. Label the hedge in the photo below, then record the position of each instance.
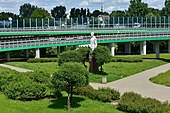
(103, 94)
(41, 60)
(133, 103)
(126, 59)
(31, 85)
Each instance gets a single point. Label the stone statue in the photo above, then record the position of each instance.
(93, 42)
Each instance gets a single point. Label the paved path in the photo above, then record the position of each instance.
(139, 83)
(15, 68)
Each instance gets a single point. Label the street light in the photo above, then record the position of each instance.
(10, 21)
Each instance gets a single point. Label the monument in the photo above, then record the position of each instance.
(93, 44)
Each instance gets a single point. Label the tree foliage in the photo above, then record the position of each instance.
(69, 76)
(40, 13)
(118, 13)
(137, 8)
(166, 9)
(59, 12)
(6, 15)
(102, 55)
(69, 56)
(26, 10)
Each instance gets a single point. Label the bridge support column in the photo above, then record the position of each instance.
(62, 48)
(128, 48)
(112, 49)
(37, 53)
(8, 56)
(143, 48)
(168, 46)
(27, 53)
(157, 49)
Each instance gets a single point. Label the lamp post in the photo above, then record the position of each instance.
(10, 22)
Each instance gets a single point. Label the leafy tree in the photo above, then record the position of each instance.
(69, 76)
(137, 8)
(153, 12)
(26, 10)
(6, 15)
(84, 52)
(96, 13)
(40, 13)
(59, 12)
(166, 10)
(69, 56)
(88, 13)
(72, 12)
(118, 13)
(102, 55)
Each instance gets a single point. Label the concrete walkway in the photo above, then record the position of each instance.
(15, 68)
(139, 83)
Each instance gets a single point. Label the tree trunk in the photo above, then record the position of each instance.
(101, 68)
(71, 95)
(93, 68)
(68, 102)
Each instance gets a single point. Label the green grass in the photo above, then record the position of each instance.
(47, 67)
(162, 79)
(80, 105)
(118, 70)
(115, 70)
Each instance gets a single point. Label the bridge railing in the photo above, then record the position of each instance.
(101, 22)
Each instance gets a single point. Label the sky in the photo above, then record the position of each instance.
(109, 5)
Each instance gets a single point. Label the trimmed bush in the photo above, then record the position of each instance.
(69, 56)
(31, 85)
(127, 59)
(41, 60)
(103, 94)
(134, 103)
(25, 90)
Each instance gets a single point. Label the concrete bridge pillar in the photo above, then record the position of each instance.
(168, 46)
(62, 48)
(8, 56)
(157, 51)
(27, 53)
(143, 48)
(112, 49)
(37, 53)
(128, 48)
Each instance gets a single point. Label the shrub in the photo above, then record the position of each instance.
(31, 85)
(69, 56)
(134, 103)
(113, 93)
(25, 90)
(103, 94)
(41, 60)
(126, 59)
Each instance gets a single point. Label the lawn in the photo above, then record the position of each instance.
(162, 79)
(118, 70)
(80, 105)
(115, 70)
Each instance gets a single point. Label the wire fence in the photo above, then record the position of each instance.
(87, 23)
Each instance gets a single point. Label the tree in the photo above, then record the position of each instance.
(166, 10)
(59, 12)
(137, 8)
(6, 15)
(102, 55)
(118, 13)
(69, 56)
(96, 13)
(69, 76)
(84, 52)
(88, 13)
(26, 10)
(72, 12)
(40, 13)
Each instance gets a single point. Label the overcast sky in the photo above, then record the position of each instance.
(109, 5)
